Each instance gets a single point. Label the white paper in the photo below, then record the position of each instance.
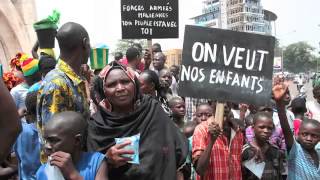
(256, 168)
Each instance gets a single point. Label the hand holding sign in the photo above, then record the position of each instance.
(214, 129)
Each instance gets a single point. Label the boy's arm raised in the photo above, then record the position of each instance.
(279, 90)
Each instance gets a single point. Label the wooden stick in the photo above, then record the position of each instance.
(149, 43)
(219, 113)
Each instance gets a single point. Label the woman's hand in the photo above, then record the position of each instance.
(115, 155)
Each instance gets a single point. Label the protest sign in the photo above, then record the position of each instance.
(226, 65)
(147, 19)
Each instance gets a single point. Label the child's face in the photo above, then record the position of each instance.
(179, 109)
(263, 128)
(203, 113)
(58, 140)
(309, 136)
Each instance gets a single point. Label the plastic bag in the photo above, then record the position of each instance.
(133, 146)
(53, 172)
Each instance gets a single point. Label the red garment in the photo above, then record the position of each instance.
(296, 126)
(225, 162)
(124, 61)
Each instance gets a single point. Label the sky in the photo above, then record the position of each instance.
(297, 20)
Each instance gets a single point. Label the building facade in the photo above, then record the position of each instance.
(16, 32)
(237, 15)
(174, 57)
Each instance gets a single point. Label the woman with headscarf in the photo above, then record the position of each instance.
(125, 112)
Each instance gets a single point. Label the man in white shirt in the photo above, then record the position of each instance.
(300, 83)
(313, 107)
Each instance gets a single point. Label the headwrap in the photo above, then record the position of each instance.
(128, 71)
(29, 65)
(163, 148)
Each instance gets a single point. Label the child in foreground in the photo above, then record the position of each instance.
(262, 150)
(63, 135)
(303, 159)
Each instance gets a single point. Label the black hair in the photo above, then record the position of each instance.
(261, 114)
(137, 46)
(173, 100)
(203, 104)
(118, 56)
(158, 47)
(151, 77)
(249, 119)
(132, 53)
(316, 90)
(298, 106)
(46, 63)
(70, 36)
(96, 88)
(175, 66)
(31, 102)
(164, 70)
(70, 121)
(313, 122)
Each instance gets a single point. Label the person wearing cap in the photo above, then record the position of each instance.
(30, 70)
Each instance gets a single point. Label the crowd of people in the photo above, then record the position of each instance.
(126, 121)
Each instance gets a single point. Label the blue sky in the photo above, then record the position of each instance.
(297, 20)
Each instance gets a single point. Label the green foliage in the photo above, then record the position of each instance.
(124, 44)
(299, 57)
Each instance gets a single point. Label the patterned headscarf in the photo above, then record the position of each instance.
(128, 71)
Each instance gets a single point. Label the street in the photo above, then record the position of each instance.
(294, 91)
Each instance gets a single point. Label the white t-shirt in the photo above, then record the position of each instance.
(313, 108)
(300, 81)
(276, 120)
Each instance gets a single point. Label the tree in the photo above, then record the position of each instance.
(298, 57)
(124, 44)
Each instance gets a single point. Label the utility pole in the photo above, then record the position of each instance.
(317, 60)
